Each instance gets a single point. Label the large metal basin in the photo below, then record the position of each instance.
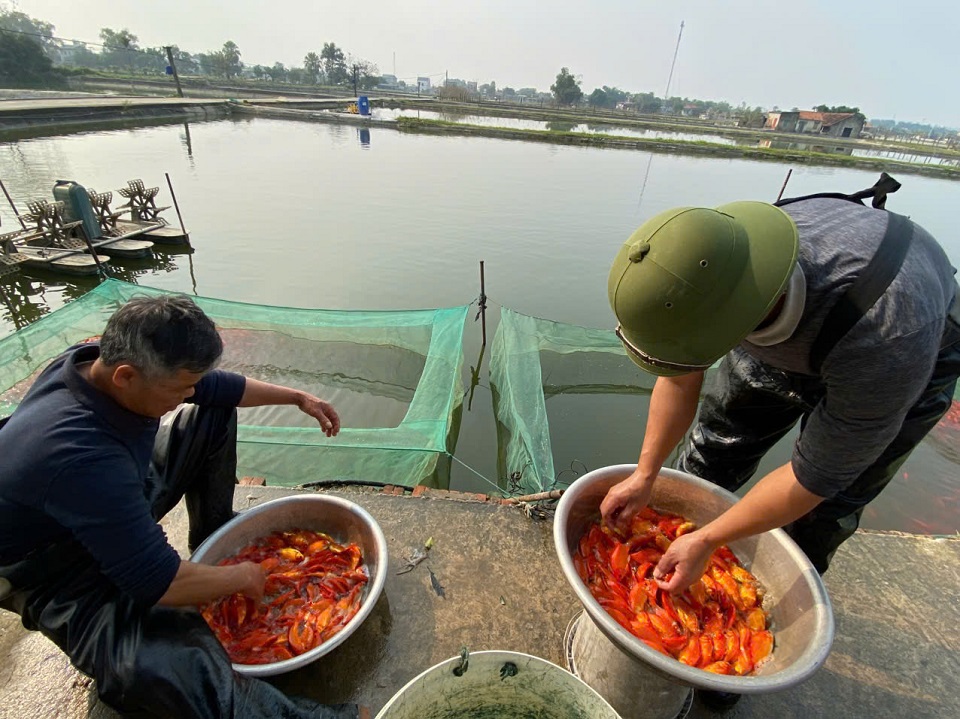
(496, 685)
(801, 615)
(341, 519)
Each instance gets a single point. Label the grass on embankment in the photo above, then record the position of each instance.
(693, 147)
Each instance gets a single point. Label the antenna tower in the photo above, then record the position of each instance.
(666, 93)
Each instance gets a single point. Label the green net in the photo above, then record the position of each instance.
(399, 373)
(521, 346)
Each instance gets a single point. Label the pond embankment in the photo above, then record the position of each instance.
(41, 115)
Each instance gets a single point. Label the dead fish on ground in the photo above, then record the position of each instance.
(413, 561)
(437, 587)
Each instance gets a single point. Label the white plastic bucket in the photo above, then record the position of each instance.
(497, 685)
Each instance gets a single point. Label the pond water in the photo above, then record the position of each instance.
(332, 216)
(519, 123)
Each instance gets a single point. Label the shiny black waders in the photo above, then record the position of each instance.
(752, 405)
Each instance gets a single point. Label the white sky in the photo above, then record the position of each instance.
(890, 58)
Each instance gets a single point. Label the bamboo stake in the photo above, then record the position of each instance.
(483, 306)
(538, 497)
(13, 206)
(785, 181)
(175, 205)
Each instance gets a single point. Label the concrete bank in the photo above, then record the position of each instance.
(896, 652)
(36, 117)
(47, 116)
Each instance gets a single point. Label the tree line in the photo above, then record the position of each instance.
(29, 52)
(32, 56)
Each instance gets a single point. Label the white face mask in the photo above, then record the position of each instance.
(786, 322)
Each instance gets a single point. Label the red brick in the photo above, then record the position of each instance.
(253, 481)
(419, 490)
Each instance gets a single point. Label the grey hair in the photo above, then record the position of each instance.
(160, 336)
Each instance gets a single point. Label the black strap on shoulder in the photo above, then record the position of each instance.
(866, 289)
(883, 187)
(817, 196)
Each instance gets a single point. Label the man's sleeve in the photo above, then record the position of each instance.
(868, 394)
(101, 501)
(219, 389)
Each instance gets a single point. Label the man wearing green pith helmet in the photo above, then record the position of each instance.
(823, 310)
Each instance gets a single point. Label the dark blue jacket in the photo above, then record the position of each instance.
(73, 464)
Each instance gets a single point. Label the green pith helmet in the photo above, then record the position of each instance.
(691, 283)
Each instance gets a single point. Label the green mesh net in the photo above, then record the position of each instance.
(402, 367)
(399, 373)
(521, 346)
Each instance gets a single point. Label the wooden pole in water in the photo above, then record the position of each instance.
(785, 181)
(173, 67)
(12, 206)
(483, 305)
(175, 205)
(101, 270)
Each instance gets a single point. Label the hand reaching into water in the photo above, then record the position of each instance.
(683, 563)
(624, 501)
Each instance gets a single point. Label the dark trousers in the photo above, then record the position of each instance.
(155, 661)
(752, 405)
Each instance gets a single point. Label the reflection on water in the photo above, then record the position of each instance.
(556, 125)
(819, 144)
(799, 146)
(561, 126)
(315, 215)
(827, 148)
(30, 294)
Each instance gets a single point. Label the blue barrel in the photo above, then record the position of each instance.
(76, 206)
(363, 104)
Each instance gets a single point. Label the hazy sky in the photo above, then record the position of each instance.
(891, 58)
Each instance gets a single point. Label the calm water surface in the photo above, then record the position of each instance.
(520, 123)
(316, 215)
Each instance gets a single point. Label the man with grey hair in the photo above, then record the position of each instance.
(87, 470)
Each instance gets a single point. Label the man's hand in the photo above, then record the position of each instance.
(322, 411)
(776, 500)
(252, 578)
(687, 559)
(197, 584)
(625, 500)
(259, 394)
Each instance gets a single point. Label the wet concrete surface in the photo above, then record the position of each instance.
(896, 652)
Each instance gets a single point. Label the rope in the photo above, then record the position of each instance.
(490, 482)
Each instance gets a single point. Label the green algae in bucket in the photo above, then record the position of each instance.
(497, 685)
(510, 712)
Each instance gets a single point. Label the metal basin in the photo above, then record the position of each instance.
(341, 519)
(800, 611)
